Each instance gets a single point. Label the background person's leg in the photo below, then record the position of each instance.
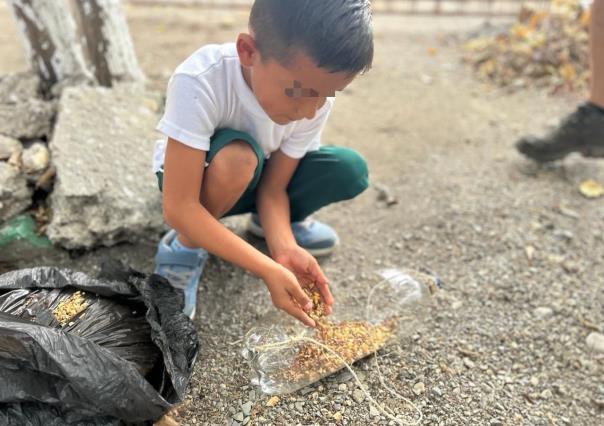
(597, 53)
(582, 130)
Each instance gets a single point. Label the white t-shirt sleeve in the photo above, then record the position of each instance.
(191, 113)
(306, 136)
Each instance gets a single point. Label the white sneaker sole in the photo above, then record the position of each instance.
(258, 232)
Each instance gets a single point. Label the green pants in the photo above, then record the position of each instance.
(323, 177)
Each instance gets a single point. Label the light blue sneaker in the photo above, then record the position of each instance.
(182, 268)
(316, 237)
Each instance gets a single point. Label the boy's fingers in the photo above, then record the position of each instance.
(299, 314)
(322, 283)
(299, 296)
(317, 273)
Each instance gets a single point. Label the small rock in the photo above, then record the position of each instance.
(571, 267)
(337, 416)
(36, 158)
(299, 406)
(15, 195)
(274, 400)
(546, 394)
(468, 363)
(543, 312)
(30, 119)
(534, 381)
(419, 388)
(239, 417)
(246, 421)
(530, 252)
(563, 234)
(247, 407)
(8, 146)
(437, 392)
(252, 395)
(595, 342)
(343, 387)
(358, 395)
(373, 410)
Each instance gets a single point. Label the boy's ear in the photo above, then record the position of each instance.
(246, 49)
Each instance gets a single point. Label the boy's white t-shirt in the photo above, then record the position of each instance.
(207, 92)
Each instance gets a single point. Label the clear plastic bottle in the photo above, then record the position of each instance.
(285, 357)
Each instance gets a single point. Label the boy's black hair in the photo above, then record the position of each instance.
(336, 34)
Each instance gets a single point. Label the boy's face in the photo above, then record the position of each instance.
(288, 93)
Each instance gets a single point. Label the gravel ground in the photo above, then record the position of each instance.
(519, 249)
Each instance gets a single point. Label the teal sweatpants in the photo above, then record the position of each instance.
(323, 177)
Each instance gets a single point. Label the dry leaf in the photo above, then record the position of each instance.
(591, 189)
(274, 400)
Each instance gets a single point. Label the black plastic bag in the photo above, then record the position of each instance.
(127, 358)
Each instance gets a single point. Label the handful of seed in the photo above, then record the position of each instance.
(350, 340)
(70, 308)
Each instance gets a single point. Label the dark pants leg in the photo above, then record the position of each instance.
(323, 177)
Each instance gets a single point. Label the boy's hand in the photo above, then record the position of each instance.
(307, 270)
(287, 294)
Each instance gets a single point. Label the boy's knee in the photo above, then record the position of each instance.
(235, 165)
(352, 171)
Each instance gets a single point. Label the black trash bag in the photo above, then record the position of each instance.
(125, 359)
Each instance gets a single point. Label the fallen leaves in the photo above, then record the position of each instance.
(546, 48)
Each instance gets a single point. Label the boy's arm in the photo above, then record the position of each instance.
(273, 208)
(183, 211)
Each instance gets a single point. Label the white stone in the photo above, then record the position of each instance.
(8, 146)
(595, 342)
(36, 158)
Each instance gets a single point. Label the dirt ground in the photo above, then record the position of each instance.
(519, 249)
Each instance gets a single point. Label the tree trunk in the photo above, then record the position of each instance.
(109, 45)
(49, 34)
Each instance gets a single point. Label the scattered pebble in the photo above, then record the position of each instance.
(337, 416)
(358, 395)
(419, 388)
(343, 387)
(239, 417)
(374, 411)
(595, 342)
(247, 408)
(543, 312)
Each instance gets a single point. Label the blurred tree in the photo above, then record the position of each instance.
(100, 51)
(109, 45)
(50, 38)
